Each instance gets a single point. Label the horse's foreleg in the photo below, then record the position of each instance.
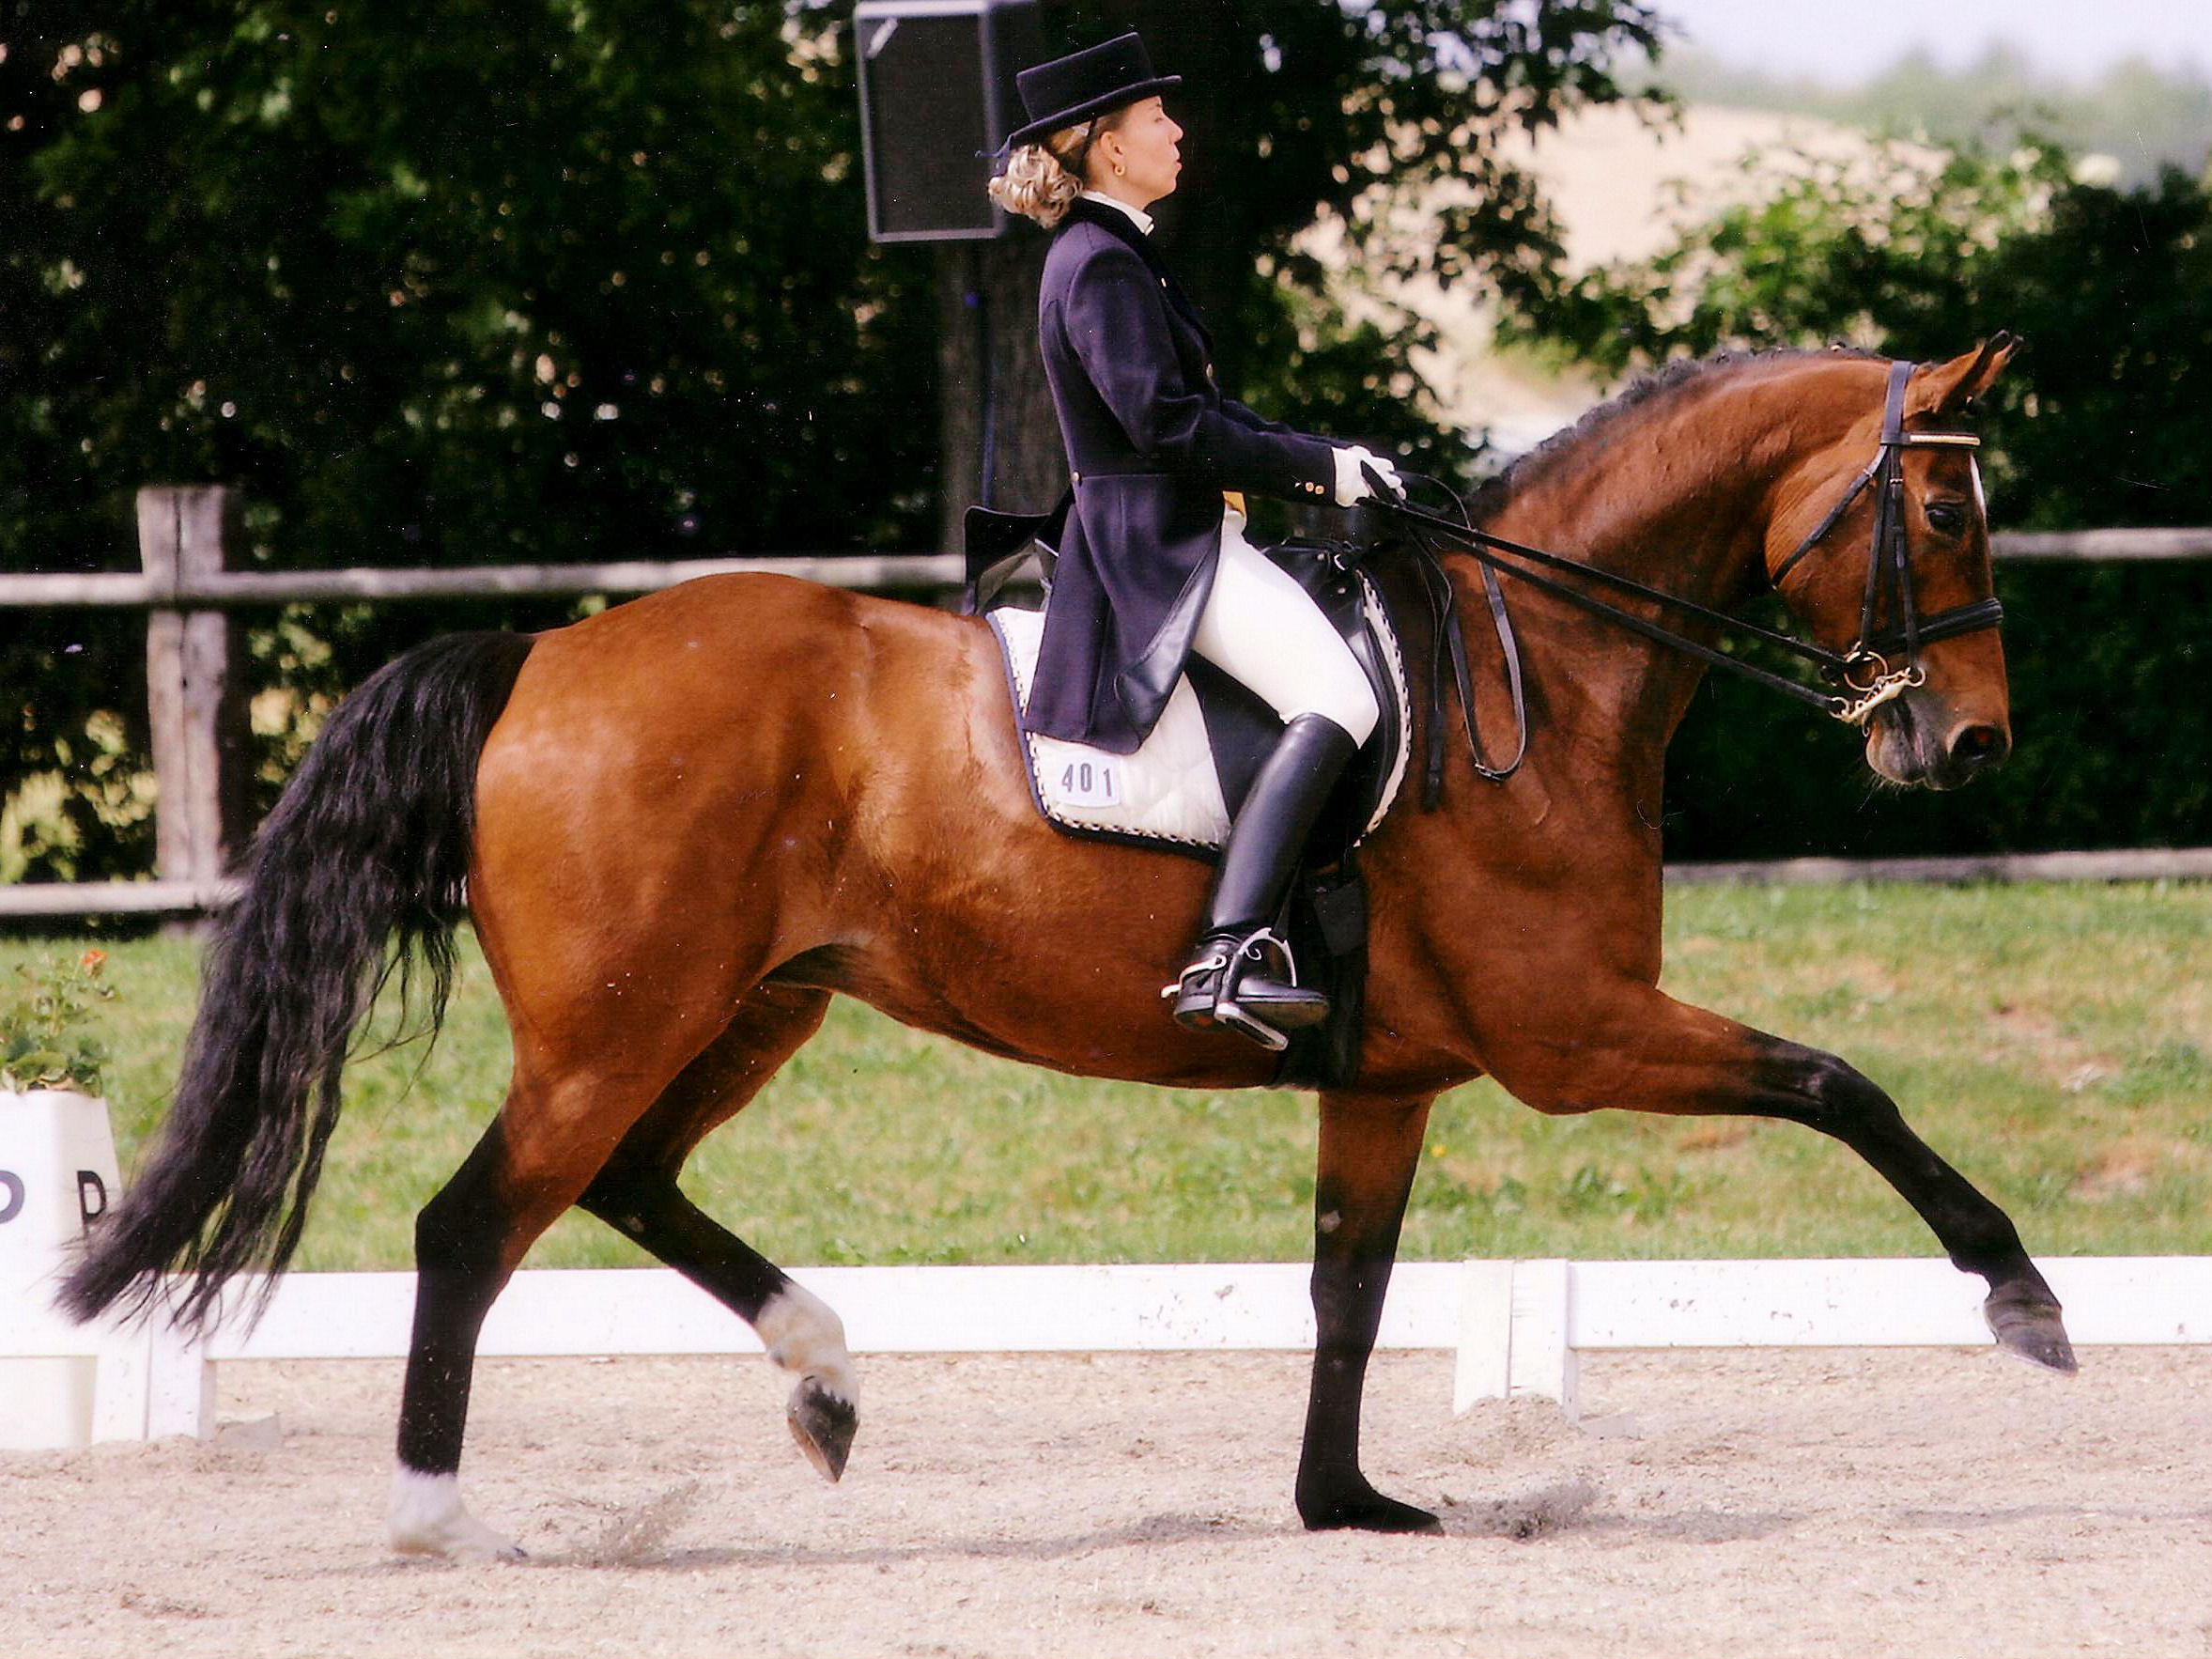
(1368, 1148)
(637, 1195)
(1807, 1086)
(1649, 1053)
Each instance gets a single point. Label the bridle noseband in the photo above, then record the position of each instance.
(1864, 669)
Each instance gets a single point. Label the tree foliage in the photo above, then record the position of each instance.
(468, 281)
(1299, 112)
(450, 282)
(434, 283)
(2096, 425)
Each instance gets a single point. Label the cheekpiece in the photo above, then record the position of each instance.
(1093, 82)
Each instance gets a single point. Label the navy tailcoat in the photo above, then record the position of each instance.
(1151, 445)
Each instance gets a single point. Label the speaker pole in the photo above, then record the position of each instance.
(979, 298)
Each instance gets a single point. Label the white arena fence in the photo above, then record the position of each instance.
(1517, 1327)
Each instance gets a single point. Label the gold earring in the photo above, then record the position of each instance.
(1119, 169)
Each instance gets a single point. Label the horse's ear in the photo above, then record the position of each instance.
(1947, 388)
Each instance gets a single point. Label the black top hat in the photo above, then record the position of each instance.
(1092, 82)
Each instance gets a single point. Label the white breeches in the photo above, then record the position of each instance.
(1261, 630)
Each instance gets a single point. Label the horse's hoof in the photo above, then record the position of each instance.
(2031, 1330)
(425, 1517)
(823, 1423)
(1362, 1508)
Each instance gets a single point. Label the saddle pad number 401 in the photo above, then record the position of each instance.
(1086, 783)
(1166, 791)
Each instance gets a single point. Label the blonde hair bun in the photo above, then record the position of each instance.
(1042, 181)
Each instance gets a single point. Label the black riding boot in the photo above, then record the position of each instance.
(1234, 979)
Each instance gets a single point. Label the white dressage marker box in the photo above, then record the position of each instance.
(57, 1173)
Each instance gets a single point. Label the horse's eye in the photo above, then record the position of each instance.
(1947, 517)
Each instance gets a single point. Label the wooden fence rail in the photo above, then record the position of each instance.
(197, 695)
(125, 590)
(219, 588)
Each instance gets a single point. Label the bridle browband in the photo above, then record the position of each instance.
(1862, 674)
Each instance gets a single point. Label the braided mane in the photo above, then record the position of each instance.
(1657, 385)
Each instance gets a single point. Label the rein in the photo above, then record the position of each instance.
(1861, 672)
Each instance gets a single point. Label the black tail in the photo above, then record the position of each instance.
(365, 861)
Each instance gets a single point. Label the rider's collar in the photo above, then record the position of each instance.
(1137, 216)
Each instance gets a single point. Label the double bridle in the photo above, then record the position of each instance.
(1865, 668)
(1862, 673)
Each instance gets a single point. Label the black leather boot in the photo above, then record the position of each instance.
(1238, 975)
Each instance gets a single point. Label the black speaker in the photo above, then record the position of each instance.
(937, 99)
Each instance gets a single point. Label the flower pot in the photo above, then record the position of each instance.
(57, 1176)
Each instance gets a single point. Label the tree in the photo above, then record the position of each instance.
(2096, 425)
(1294, 110)
(436, 283)
(542, 280)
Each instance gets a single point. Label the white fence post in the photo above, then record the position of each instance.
(1484, 1369)
(1514, 1335)
(180, 1386)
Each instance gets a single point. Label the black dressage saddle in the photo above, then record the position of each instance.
(1325, 915)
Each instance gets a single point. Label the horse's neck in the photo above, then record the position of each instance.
(1660, 498)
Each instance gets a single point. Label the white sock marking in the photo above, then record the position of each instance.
(805, 1337)
(425, 1516)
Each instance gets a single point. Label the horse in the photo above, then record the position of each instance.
(681, 826)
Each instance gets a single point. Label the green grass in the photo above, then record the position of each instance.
(2056, 1042)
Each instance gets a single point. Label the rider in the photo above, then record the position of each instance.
(1152, 563)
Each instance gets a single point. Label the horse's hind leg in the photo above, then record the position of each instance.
(637, 1195)
(552, 1136)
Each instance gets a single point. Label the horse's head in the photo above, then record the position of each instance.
(1952, 720)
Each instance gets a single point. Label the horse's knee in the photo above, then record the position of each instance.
(626, 1191)
(456, 1232)
(480, 1223)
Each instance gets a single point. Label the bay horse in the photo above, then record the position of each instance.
(680, 826)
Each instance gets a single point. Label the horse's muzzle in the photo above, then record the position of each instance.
(1911, 742)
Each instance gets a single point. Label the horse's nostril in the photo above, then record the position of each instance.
(1979, 746)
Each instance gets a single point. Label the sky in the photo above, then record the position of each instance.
(1845, 40)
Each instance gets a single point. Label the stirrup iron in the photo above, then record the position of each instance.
(1232, 960)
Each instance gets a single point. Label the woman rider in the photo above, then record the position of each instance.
(1154, 564)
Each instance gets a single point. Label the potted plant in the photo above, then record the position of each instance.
(58, 1174)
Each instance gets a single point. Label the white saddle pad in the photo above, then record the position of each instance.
(1168, 790)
